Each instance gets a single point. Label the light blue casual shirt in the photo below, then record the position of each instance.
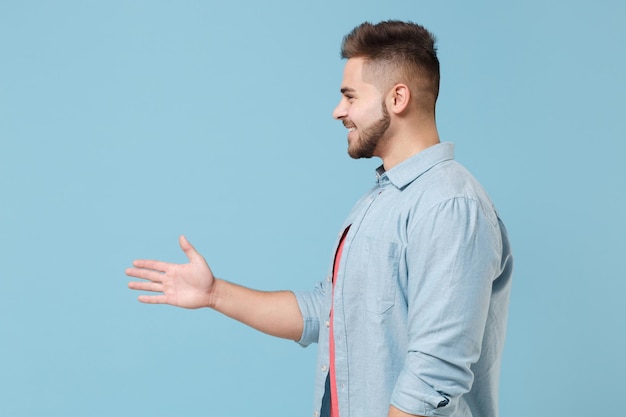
(421, 296)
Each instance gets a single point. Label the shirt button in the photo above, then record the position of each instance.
(324, 368)
(328, 278)
(327, 323)
(316, 414)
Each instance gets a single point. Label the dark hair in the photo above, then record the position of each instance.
(406, 51)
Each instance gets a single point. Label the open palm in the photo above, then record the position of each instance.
(182, 285)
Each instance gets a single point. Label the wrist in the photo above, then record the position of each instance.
(213, 294)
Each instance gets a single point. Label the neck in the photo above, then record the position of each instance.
(407, 142)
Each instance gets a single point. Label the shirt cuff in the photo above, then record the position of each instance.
(310, 320)
(414, 396)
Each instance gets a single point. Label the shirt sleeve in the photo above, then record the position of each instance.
(310, 304)
(453, 256)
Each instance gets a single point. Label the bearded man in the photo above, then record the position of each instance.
(411, 318)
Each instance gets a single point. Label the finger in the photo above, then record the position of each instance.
(148, 274)
(152, 299)
(145, 286)
(190, 251)
(154, 265)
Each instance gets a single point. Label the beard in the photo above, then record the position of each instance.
(370, 136)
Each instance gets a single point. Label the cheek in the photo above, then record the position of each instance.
(364, 116)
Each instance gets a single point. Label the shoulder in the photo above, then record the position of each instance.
(448, 186)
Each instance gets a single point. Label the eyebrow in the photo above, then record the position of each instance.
(345, 90)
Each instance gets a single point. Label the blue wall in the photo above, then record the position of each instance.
(126, 123)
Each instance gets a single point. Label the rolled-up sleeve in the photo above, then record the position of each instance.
(310, 304)
(453, 256)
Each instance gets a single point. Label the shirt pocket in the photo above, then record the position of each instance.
(381, 275)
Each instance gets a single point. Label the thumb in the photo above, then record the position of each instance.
(190, 251)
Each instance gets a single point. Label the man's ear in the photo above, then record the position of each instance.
(399, 98)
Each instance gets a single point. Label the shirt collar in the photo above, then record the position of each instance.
(409, 170)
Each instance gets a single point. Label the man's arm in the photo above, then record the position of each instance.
(394, 412)
(193, 285)
(450, 282)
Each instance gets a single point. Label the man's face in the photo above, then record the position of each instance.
(363, 111)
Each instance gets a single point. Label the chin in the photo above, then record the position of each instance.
(359, 154)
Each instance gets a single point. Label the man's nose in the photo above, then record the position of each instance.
(340, 111)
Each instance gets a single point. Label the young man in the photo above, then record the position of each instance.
(411, 319)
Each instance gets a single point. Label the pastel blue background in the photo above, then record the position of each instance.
(126, 123)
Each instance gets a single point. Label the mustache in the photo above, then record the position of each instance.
(348, 124)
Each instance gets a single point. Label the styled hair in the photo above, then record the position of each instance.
(399, 51)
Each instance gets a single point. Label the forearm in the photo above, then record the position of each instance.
(394, 412)
(274, 313)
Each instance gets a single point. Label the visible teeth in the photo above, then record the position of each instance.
(352, 129)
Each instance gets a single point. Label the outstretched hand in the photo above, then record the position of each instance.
(182, 285)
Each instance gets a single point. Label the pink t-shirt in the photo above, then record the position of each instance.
(334, 405)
